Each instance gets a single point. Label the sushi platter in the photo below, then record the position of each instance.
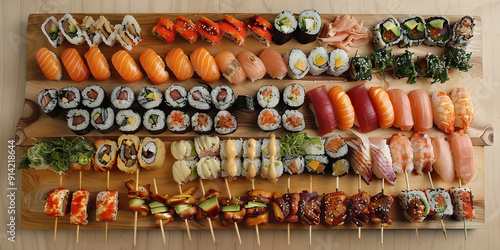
(35, 124)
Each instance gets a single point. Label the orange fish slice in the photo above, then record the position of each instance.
(154, 66)
(204, 65)
(126, 66)
(97, 63)
(179, 64)
(50, 65)
(74, 65)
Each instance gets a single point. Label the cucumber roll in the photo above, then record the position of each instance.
(178, 122)
(199, 98)
(129, 122)
(269, 120)
(246, 102)
(462, 32)
(223, 97)
(294, 96)
(361, 68)
(69, 98)
(71, 30)
(103, 119)
(123, 98)
(94, 96)
(293, 164)
(438, 28)
(284, 26)
(318, 61)
(309, 23)
(150, 97)
(50, 29)
(381, 59)
(414, 31)
(154, 121)
(316, 164)
(47, 99)
(225, 123)
(268, 96)
(338, 62)
(202, 123)
(176, 97)
(434, 67)
(297, 63)
(387, 33)
(404, 67)
(78, 121)
(293, 121)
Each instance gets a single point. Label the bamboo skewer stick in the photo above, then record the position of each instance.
(465, 221)
(416, 225)
(256, 226)
(310, 190)
(208, 218)
(186, 220)
(135, 213)
(235, 224)
(359, 191)
(57, 218)
(288, 225)
(161, 221)
(106, 225)
(78, 226)
(442, 223)
(382, 226)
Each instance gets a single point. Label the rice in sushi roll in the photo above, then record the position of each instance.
(387, 33)
(128, 32)
(316, 164)
(202, 123)
(176, 97)
(106, 30)
(106, 206)
(246, 102)
(225, 123)
(239, 148)
(237, 161)
(154, 121)
(462, 32)
(338, 62)
(199, 98)
(47, 99)
(294, 96)
(246, 164)
(414, 31)
(268, 96)
(94, 96)
(71, 30)
(150, 97)
(463, 203)
(340, 167)
(103, 119)
(128, 148)
(246, 149)
(293, 121)
(105, 155)
(178, 122)
(151, 153)
(69, 97)
(318, 61)
(207, 146)
(265, 151)
(128, 121)
(314, 145)
(89, 31)
(278, 166)
(297, 63)
(414, 204)
(208, 168)
(439, 203)
(309, 22)
(284, 27)
(438, 28)
(336, 147)
(123, 98)
(269, 120)
(184, 171)
(78, 121)
(293, 164)
(223, 97)
(50, 28)
(183, 150)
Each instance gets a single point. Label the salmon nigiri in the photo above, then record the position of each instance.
(253, 66)
(423, 153)
(403, 118)
(464, 110)
(421, 109)
(401, 153)
(204, 65)
(50, 65)
(126, 66)
(342, 106)
(178, 62)
(274, 62)
(230, 67)
(383, 106)
(444, 160)
(154, 66)
(463, 156)
(98, 64)
(443, 111)
(74, 65)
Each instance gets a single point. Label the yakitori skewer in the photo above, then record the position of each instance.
(186, 220)
(208, 218)
(136, 213)
(235, 223)
(161, 221)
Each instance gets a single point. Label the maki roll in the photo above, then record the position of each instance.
(47, 99)
(105, 156)
(340, 167)
(223, 97)
(293, 164)
(462, 32)
(381, 59)
(69, 97)
(268, 96)
(94, 96)
(415, 205)
(438, 28)
(284, 26)
(183, 150)
(79, 214)
(318, 60)
(78, 121)
(269, 120)
(89, 31)
(106, 206)
(246, 153)
(233, 29)
(154, 121)
(129, 122)
(260, 29)
(209, 31)
(414, 31)
(207, 146)
(459, 59)
(164, 29)
(314, 145)
(103, 119)
(361, 68)
(150, 97)
(57, 202)
(202, 123)
(50, 29)
(293, 121)
(246, 102)
(265, 151)
(316, 164)
(128, 147)
(294, 96)
(208, 168)
(199, 98)
(387, 33)
(239, 148)
(439, 203)
(107, 31)
(309, 23)
(338, 62)
(184, 171)
(434, 67)
(123, 98)
(278, 165)
(297, 63)
(176, 97)
(178, 122)
(71, 30)
(404, 67)
(128, 32)
(335, 147)
(237, 161)
(463, 204)
(225, 123)
(151, 153)
(246, 163)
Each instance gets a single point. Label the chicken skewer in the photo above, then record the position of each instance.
(186, 220)
(235, 223)
(208, 218)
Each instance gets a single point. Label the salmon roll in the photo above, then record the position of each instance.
(176, 97)
(269, 120)
(98, 64)
(178, 122)
(94, 96)
(69, 97)
(199, 98)
(49, 64)
(223, 97)
(74, 65)
(225, 123)
(293, 121)
(335, 147)
(126, 66)
(47, 99)
(123, 98)
(202, 123)
(103, 119)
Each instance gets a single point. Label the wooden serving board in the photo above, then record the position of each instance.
(34, 124)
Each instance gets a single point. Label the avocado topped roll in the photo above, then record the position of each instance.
(462, 32)
(438, 28)
(414, 31)
(387, 33)
(50, 29)
(71, 30)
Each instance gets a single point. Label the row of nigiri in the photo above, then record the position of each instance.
(380, 108)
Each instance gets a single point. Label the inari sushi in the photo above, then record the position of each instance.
(260, 29)
(71, 30)
(274, 62)
(253, 66)
(179, 64)
(98, 64)
(128, 148)
(50, 65)
(50, 29)
(105, 155)
(204, 64)
(151, 153)
(230, 67)
(107, 31)
(129, 32)
(90, 33)
(186, 29)
(126, 66)
(298, 66)
(164, 29)
(209, 31)
(74, 65)
(233, 29)
(154, 66)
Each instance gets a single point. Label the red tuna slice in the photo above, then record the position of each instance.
(365, 113)
(322, 109)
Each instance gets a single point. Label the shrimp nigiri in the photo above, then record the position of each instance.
(274, 62)
(342, 106)
(403, 118)
(464, 110)
(423, 153)
(421, 109)
(252, 65)
(50, 65)
(463, 156)
(443, 111)
(178, 62)
(230, 67)
(444, 160)
(401, 153)
(154, 66)
(383, 106)
(204, 65)
(74, 65)
(98, 64)
(126, 66)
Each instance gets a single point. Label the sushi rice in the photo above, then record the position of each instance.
(246, 163)
(178, 121)
(318, 61)
(268, 96)
(154, 121)
(176, 97)
(103, 119)
(150, 97)
(121, 100)
(128, 121)
(202, 123)
(239, 148)
(339, 62)
(297, 63)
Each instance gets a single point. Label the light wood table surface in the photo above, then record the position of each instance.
(13, 25)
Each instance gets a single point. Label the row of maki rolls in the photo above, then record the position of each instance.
(305, 28)
(316, 63)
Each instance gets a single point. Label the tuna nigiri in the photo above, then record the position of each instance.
(463, 156)
(322, 110)
(204, 65)
(253, 66)
(179, 64)
(233, 29)
(342, 106)
(464, 110)
(126, 66)
(98, 64)
(186, 29)
(366, 117)
(383, 106)
(359, 156)
(154, 66)
(444, 160)
(164, 29)
(50, 65)
(381, 160)
(260, 29)
(443, 111)
(274, 62)
(403, 118)
(401, 153)
(421, 110)
(74, 65)
(209, 31)
(230, 67)
(423, 153)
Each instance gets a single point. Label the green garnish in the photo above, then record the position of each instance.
(291, 144)
(361, 68)
(381, 59)
(434, 67)
(459, 59)
(404, 67)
